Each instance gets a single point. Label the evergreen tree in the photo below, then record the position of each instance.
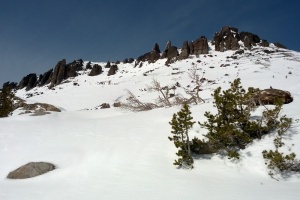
(226, 129)
(6, 102)
(181, 124)
(232, 128)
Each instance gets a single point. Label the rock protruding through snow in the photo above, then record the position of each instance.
(30, 170)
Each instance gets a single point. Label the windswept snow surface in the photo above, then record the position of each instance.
(117, 154)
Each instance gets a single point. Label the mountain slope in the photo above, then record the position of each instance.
(118, 154)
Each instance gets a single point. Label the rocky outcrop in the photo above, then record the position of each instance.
(170, 52)
(128, 60)
(45, 78)
(277, 44)
(72, 68)
(31, 83)
(104, 106)
(107, 64)
(164, 54)
(191, 45)
(185, 51)
(252, 38)
(97, 69)
(154, 54)
(228, 39)
(264, 43)
(35, 108)
(44, 106)
(268, 96)
(30, 170)
(63, 71)
(117, 104)
(58, 73)
(112, 70)
(201, 46)
(247, 42)
(151, 56)
(28, 81)
(235, 44)
(10, 85)
(88, 65)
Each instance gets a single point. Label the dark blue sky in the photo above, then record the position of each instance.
(36, 34)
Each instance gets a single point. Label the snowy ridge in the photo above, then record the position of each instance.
(117, 154)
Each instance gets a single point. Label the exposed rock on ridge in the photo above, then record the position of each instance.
(201, 46)
(185, 51)
(63, 71)
(28, 81)
(151, 56)
(96, 70)
(228, 38)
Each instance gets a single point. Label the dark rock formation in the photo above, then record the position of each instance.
(268, 96)
(107, 65)
(170, 52)
(235, 44)
(45, 78)
(152, 56)
(201, 46)
(264, 43)
(58, 73)
(228, 39)
(185, 51)
(191, 45)
(31, 170)
(104, 105)
(113, 70)
(239, 52)
(125, 60)
(222, 46)
(31, 83)
(277, 44)
(156, 48)
(97, 69)
(28, 81)
(72, 68)
(144, 57)
(247, 42)
(63, 71)
(10, 85)
(130, 60)
(117, 104)
(253, 39)
(88, 65)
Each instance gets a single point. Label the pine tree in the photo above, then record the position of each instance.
(232, 128)
(226, 129)
(6, 102)
(181, 124)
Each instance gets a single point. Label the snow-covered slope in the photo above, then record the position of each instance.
(117, 154)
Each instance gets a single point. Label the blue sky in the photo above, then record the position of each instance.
(36, 34)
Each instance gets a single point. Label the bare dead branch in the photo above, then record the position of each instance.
(134, 104)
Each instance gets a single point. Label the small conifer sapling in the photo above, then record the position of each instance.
(181, 124)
